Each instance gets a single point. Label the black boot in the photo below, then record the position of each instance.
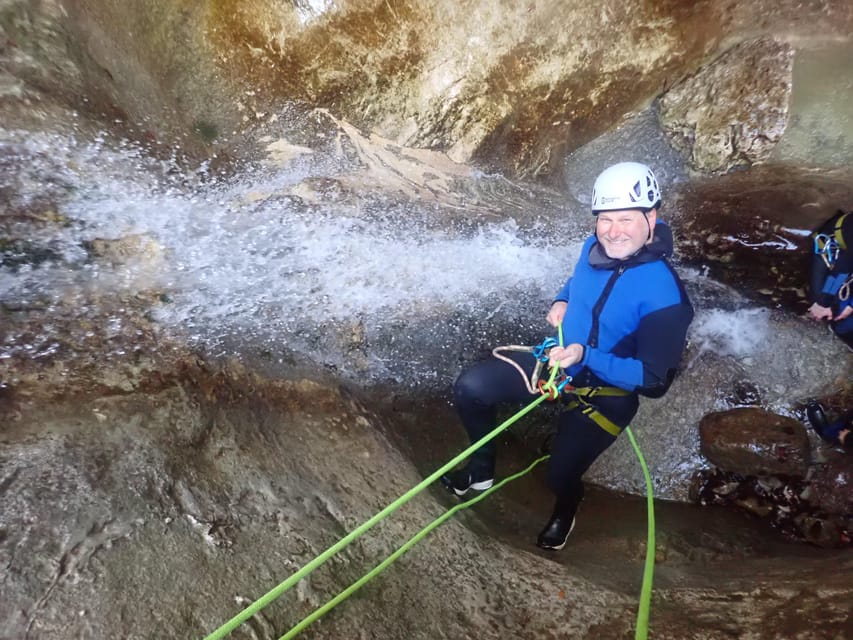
(558, 528)
(478, 475)
(817, 418)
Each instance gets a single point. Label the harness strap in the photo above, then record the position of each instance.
(596, 416)
(591, 392)
(552, 391)
(839, 237)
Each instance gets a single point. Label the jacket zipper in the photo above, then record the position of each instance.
(599, 305)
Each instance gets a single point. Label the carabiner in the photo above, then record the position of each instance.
(827, 248)
(553, 389)
(540, 349)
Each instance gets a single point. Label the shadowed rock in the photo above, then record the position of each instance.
(734, 110)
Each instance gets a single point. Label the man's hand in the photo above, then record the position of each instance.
(557, 313)
(565, 356)
(817, 312)
(848, 311)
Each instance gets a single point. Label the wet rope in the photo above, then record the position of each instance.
(548, 392)
(537, 371)
(355, 586)
(642, 630)
(277, 591)
(845, 289)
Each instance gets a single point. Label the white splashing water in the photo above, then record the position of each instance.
(739, 333)
(274, 267)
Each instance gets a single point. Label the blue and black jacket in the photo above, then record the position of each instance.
(631, 316)
(827, 283)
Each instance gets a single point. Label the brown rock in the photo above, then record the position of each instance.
(137, 246)
(754, 442)
(781, 200)
(832, 484)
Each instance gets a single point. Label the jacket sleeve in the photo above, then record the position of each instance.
(817, 278)
(661, 337)
(563, 295)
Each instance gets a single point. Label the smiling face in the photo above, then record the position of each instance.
(624, 232)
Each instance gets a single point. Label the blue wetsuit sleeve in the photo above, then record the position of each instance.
(817, 279)
(563, 295)
(661, 337)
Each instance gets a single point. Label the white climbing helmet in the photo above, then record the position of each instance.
(626, 185)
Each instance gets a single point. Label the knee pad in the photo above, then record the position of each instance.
(468, 389)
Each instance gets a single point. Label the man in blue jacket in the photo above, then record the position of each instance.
(831, 275)
(624, 316)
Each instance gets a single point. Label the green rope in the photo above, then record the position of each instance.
(645, 592)
(355, 586)
(273, 594)
(642, 631)
(277, 591)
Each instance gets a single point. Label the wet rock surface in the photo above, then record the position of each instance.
(766, 465)
(425, 74)
(733, 112)
(832, 483)
(752, 441)
(816, 511)
(150, 490)
(750, 229)
(239, 481)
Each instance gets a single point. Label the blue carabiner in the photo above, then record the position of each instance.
(539, 350)
(565, 381)
(826, 247)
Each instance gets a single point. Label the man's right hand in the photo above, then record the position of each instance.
(558, 311)
(815, 312)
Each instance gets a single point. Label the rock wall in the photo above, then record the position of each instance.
(512, 85)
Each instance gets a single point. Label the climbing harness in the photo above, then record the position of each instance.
(581, 395)
(551, 389)
(828, 246)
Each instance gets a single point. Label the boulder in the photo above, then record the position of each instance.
(734, 110)
(832, 484)
(754, 442)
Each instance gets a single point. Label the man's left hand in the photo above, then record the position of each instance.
(565, 356)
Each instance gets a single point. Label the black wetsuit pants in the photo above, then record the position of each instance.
(578, 442)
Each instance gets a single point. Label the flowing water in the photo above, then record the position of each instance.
(246, 263)
(271, 274)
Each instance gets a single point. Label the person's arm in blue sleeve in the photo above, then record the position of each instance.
(558, 308)
(817, 278)
(661, 337)
(563, 295)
